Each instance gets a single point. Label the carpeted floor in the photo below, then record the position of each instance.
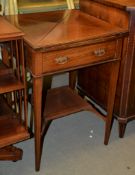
(74, 146)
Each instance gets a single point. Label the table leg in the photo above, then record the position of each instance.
(122, 128)
(111, 98)
(47, 82)
(37, 99)
(72, 79)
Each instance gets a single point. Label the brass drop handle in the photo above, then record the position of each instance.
(99, 52)
(61, 60)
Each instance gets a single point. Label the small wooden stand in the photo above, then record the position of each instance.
(11, 153)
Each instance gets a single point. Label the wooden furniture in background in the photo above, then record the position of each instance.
(13, 126)
(122, 14)
(64, 41)
(28, 6)
(76, 3)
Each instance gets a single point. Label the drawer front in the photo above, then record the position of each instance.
(73, 58)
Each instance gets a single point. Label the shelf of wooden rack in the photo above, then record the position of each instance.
(10, 83)
(4, 69)
(11, 128)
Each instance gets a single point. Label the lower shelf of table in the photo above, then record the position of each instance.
(12, 129)
(64, 101)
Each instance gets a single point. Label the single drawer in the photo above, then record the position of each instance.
(78, 57)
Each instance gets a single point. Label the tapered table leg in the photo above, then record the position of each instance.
(111, 98)
(37, 99)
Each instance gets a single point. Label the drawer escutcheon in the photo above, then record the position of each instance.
(61, 60)
(99, 52)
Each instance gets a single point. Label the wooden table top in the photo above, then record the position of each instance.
(50, 30)
(8, 31)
